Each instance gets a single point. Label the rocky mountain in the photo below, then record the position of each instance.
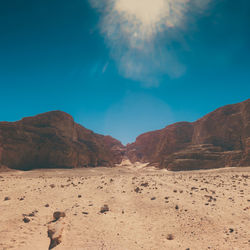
(54, 140)
(219, 139)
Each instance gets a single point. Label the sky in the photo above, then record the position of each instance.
(123, 67)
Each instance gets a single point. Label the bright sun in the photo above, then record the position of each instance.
(144, 18)
(148, 12)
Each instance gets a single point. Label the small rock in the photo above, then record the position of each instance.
(26, 220)
(153, 198)
(104, 209)
(57, 215)
(7, 198)
(170, 237)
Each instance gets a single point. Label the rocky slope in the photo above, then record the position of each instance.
(54, 140)
(219, 139)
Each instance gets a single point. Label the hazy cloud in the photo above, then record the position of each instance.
(132, 29)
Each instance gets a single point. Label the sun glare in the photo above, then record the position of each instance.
(135, 30)
(144, 18)
(148, 12)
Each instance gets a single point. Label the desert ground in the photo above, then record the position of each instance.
(124, 208)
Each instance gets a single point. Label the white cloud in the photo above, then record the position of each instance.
(132, 27)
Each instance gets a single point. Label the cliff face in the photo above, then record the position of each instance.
(219, 139)
(54, 140)
(151, 146)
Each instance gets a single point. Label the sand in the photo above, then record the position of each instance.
(147, 208)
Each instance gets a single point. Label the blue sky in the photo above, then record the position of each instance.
(117, 72)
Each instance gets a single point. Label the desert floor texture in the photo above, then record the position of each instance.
(145, 209)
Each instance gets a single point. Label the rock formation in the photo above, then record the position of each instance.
(219, 139)
(54, 140)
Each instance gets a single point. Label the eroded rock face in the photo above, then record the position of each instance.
(219, 139)
(54, 140)
(149, 147)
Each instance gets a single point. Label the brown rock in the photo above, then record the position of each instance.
(170, 237)
(54, 140)
(104, 209)
(219, 139)
(26, 220)
(57, 215)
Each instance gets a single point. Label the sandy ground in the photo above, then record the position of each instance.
(148, 208)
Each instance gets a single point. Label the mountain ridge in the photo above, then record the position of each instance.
(54, 140)
(225, 129)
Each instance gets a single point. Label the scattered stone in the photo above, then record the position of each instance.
(170, 237)
(137, 190)
(231, 230)
(46, 205)
(52, 185)
(57, 215)
(104, 209)
(176, 207)
(26, 220)
(79, 196)
(54, 241)
(7, 198)
(153, 198)
(85, 213)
